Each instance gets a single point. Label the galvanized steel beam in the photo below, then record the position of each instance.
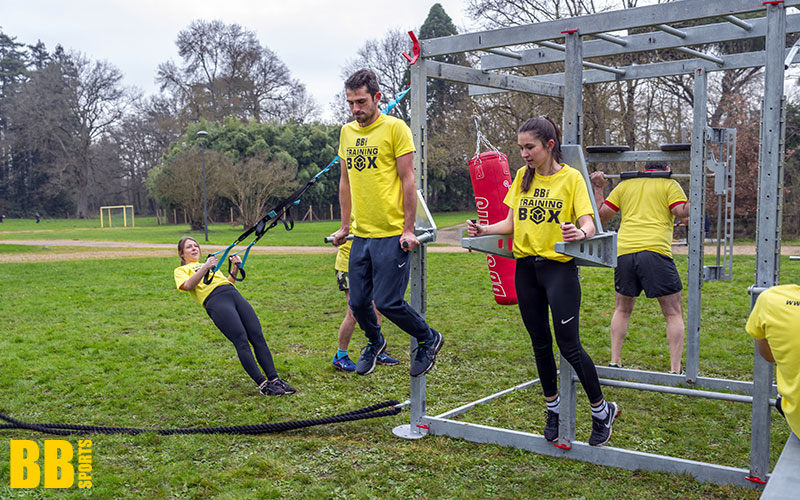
(463, 74)
(418, 272)
(655, 70)
(697, 186)
(641, 42)
(604, 22)
(638, 156)
(768, 232)
(782, 484)
(606, 455)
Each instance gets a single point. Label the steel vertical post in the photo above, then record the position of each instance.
(697, 188)
(768, 234)
(573, 110)
(418, 281)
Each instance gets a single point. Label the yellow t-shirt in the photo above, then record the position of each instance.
(646, 206)
(375, 188)
(343, 257)
(343, 253)
(538, 213)
(775, 318)
(201, 291)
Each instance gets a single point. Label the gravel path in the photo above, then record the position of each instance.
(448, 241)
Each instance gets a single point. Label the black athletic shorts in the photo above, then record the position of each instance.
(652, 272)
(343, 280)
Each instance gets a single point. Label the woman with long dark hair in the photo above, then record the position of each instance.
(549, 202)
(232, 314)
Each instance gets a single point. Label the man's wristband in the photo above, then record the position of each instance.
(584, 233)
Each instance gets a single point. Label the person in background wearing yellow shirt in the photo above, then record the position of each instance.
(545, 200)
(644, 253)
(773, 323)
(232, 314)
(341, 361)
(377, 187)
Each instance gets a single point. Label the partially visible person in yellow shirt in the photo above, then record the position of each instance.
(773, 322)
(644, 253)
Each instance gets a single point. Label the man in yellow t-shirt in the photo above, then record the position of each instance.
(377, 185)
(773, 323)
(644, 253)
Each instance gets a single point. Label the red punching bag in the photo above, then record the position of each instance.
(491, 180)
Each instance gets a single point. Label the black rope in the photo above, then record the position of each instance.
(67, 429)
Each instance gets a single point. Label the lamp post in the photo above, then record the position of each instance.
(203, 134)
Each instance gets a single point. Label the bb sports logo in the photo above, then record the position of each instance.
(56, 464)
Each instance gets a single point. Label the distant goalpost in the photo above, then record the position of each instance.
(124, 209)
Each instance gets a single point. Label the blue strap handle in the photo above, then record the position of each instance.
(210, 273)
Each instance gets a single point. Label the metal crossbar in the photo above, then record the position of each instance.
(642, 42)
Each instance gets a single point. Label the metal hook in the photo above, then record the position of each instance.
(415, 49)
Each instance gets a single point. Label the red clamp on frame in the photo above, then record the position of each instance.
(421, 426)
(772, 2)
(562, 446)
(751, 478)
(568, 32)
(414, 49)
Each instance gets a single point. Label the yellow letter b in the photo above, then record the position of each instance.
(25, 472)
(53, 463)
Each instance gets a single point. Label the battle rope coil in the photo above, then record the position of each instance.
(66, 430)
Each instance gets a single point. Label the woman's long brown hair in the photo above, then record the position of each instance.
(544, 129)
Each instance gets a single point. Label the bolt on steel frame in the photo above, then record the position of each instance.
(772, 27)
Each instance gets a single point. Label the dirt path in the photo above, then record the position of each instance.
(448, 241)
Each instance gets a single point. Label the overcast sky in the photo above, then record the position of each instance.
(313, 37)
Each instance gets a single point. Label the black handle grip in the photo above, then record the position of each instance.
(241, 271)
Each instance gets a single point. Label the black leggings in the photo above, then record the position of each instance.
(541, 283)
(237, 320)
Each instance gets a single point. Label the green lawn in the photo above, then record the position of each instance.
(112, 343)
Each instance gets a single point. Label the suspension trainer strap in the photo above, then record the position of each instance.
(282, 212)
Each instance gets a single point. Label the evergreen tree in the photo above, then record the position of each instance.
(449, 116)
(442, 95)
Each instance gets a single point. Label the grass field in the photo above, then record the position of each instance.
(112, 343)
(148, 231)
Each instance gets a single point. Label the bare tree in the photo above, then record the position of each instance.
(142, 138)
(385, 58)
(254, 181)
(226, 72)
(178, 182)
(99, 102)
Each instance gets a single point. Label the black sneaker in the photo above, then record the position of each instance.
(601, 428)
(272, 388)
(369, 356)
(287, 389)
(426, 354)
(551, 426)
